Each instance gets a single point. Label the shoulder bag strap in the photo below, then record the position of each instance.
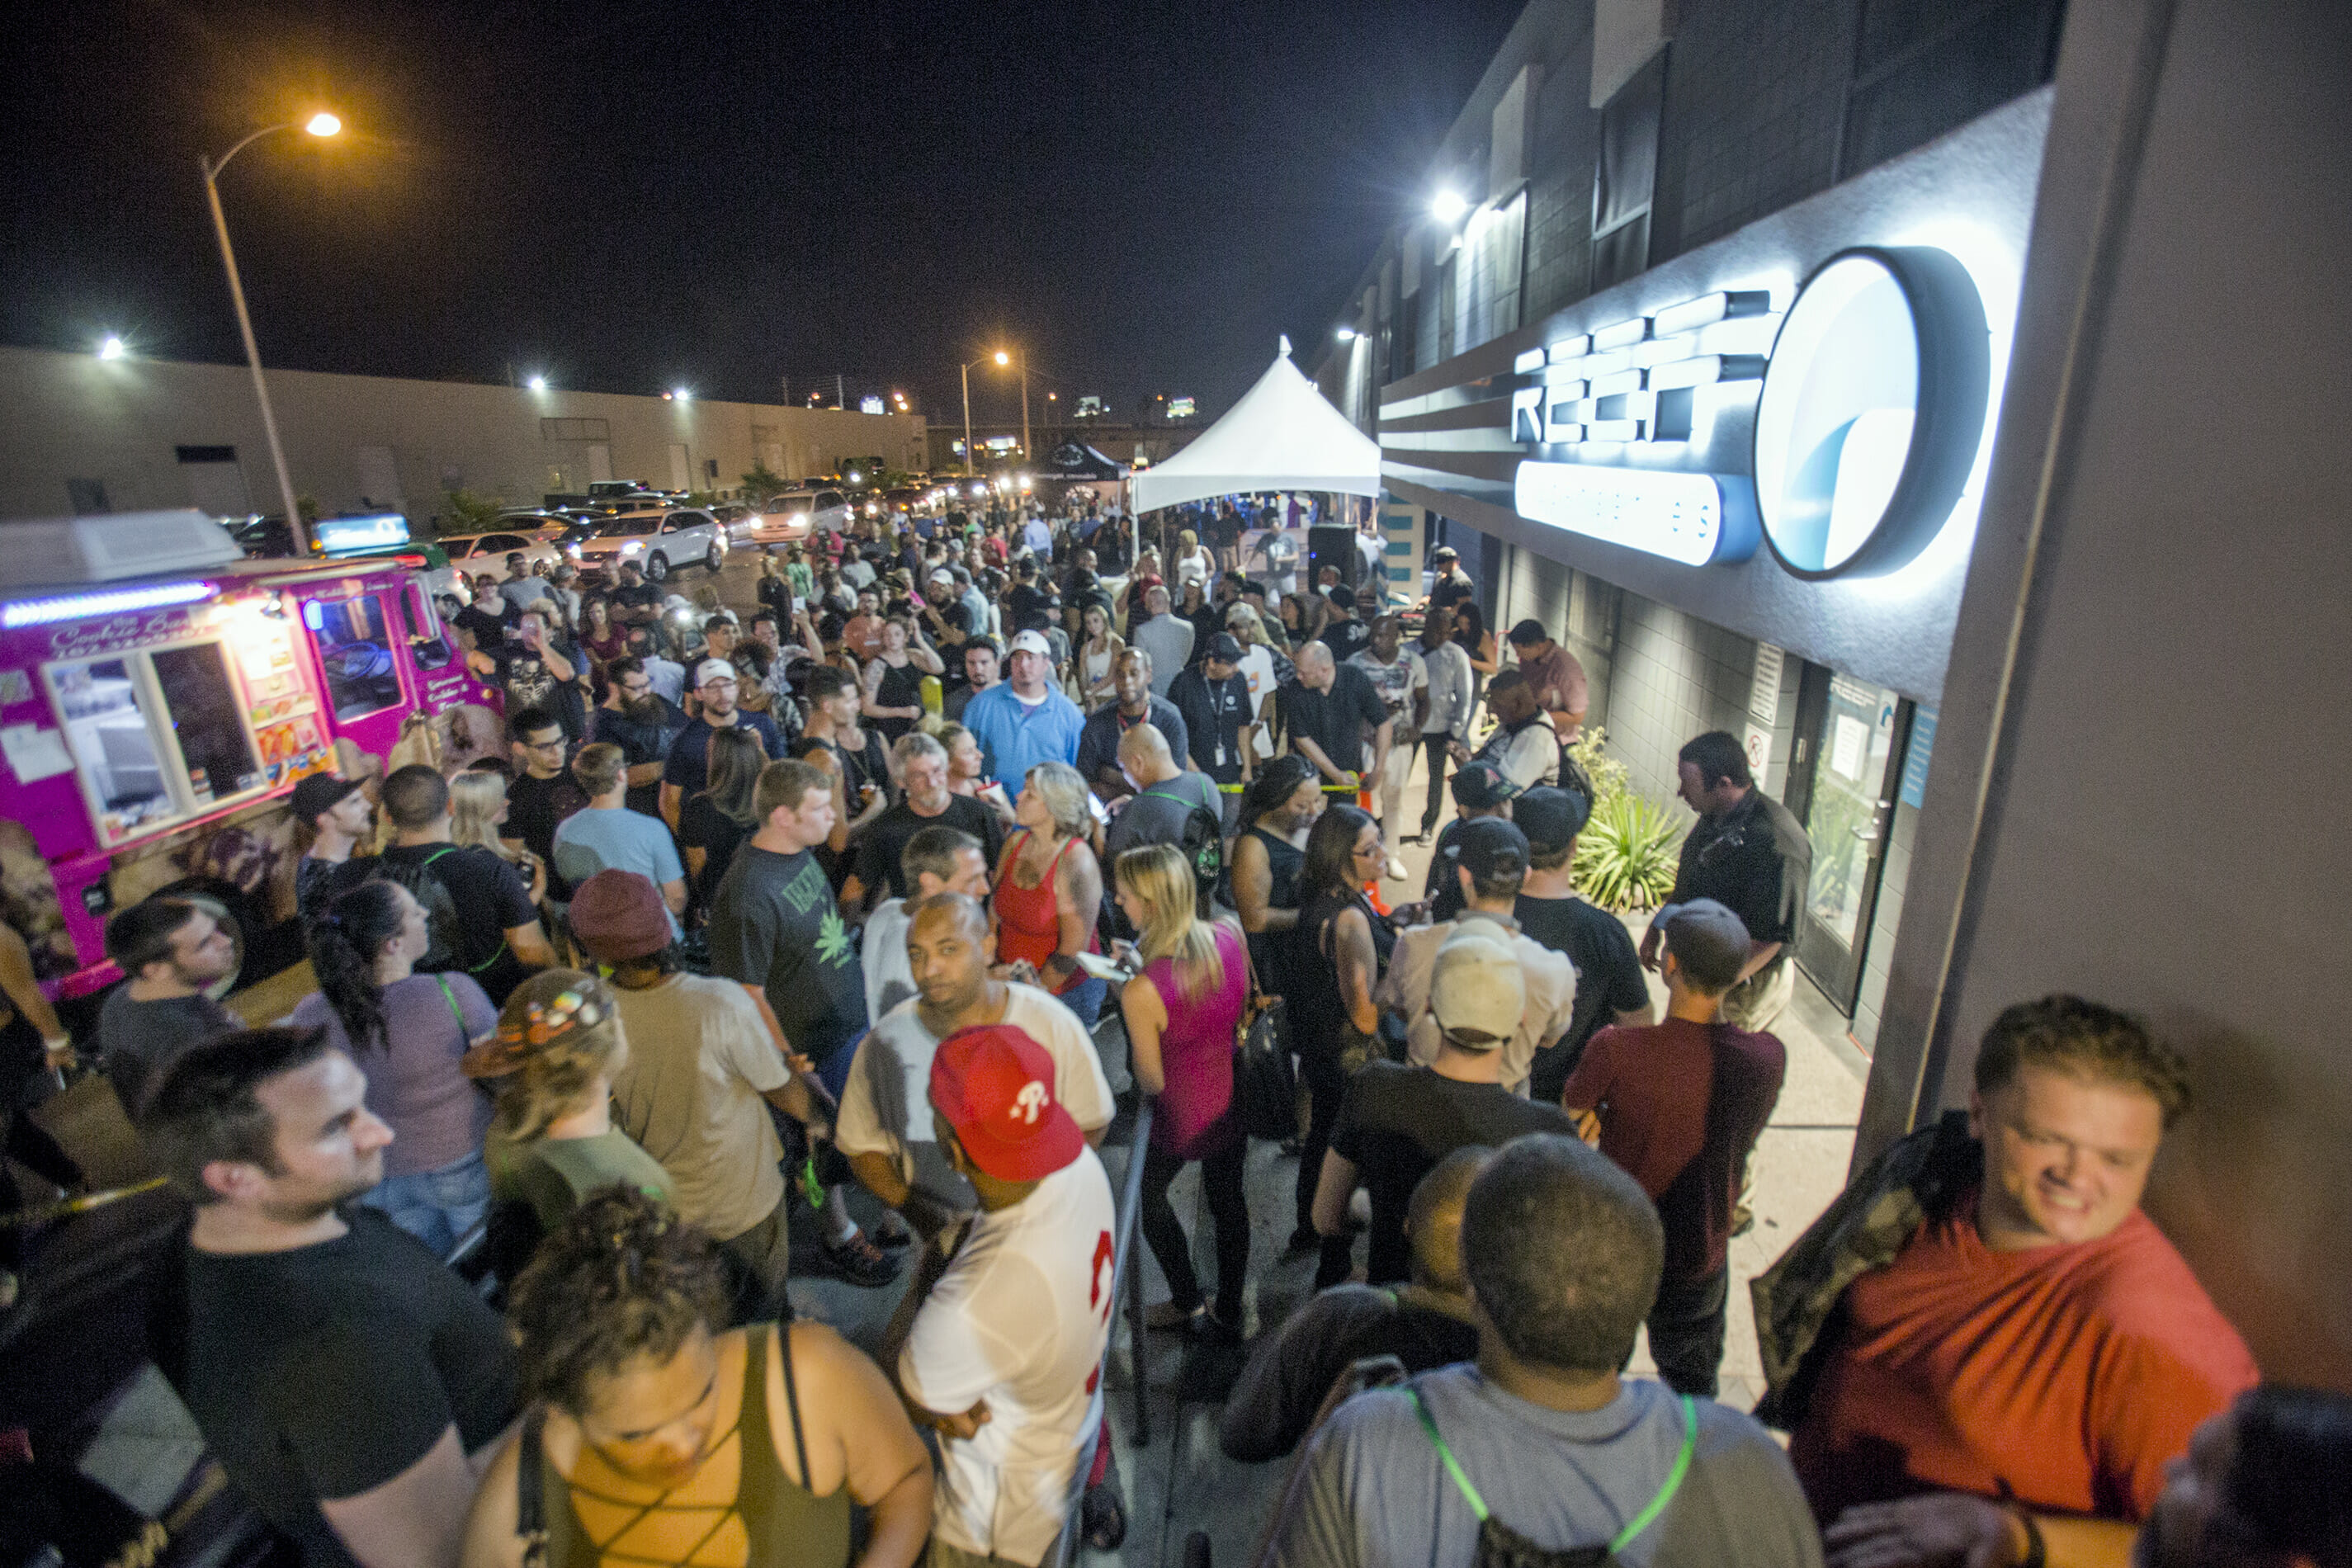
(1453, 1465)
(1657, 1505)
(530, 1500)
(465, 1041)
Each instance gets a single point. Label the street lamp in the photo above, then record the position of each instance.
(319, 124)
(1000, 357)
(1447, 206)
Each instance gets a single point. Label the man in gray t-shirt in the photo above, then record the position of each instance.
(1165, 795)
(1563, 1253)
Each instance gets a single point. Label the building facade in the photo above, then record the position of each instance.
(1568, 355)
(88, 435)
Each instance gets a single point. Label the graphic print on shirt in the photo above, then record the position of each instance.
(803, 892)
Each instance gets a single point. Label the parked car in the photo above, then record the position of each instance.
(475, 554)
(659, 541)
(792, 518)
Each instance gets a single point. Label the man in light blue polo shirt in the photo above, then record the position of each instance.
(605, 836)
(1024, 720)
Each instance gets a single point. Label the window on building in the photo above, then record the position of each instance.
(1625, 178)
(1922, 68)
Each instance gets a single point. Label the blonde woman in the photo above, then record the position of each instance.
(1049, 887)
(552, 1142)
(1193, 564)
(478, 814)
(1091, 662)
(1181, 1012)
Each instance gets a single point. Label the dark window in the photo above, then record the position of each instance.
(1625, 178)
(356, 655)
(1923, 70)
(89, 497)
(205, 454)
(210, 722)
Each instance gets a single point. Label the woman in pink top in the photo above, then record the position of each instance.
(1180, 1013)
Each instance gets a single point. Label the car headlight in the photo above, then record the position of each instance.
(631, 548)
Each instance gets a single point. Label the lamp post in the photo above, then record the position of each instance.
(322, 125)
(1000, 357)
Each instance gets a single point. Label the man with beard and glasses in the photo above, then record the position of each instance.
(350, 1385)
(643, 723)
(687, 771)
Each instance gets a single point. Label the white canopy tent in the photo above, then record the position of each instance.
(1283, 434)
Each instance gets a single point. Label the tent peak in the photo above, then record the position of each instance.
(1285, 342)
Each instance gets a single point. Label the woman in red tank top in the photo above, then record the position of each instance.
(1049, 887)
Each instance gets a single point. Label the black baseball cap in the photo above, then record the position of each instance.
(1446, 552)
(1551, 818)
(1492, 847)
(1527, 631)
(1341, 597)
(1481, 786)
(1225, 648)
(319, 794)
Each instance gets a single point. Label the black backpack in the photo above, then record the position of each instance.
(445, 938)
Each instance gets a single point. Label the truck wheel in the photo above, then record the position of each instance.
(656, 568)
(710, 562)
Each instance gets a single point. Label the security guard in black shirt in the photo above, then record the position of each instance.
(1749, 854)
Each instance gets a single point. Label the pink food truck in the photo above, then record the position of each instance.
(159, 697)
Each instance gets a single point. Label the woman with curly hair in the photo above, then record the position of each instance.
(408, 1032)
(657, 1435)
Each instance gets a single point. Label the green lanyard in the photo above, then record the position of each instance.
(1634, 1527)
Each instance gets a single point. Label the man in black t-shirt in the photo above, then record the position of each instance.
(774, 924)
(687, 768)
(1026, 598)
(636, 602)
(1610, 986)
(1136, 703)
(492, 927)
(643, 723)
(1214, 698)
(538, 669)
(348, 1383)
(1748, 853)
(1326, 710)
(982, 665)
(1397, 1120)
(541, 793)
(1343, 634)
(928, 802)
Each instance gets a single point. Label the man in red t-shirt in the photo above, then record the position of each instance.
(2037, 1340)
(1678, 1106)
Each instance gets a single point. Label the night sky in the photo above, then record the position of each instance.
(635, 196)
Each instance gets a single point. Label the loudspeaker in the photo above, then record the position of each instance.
(1333, 547)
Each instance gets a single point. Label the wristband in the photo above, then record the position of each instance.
(62, 1043)
(2036, 1552)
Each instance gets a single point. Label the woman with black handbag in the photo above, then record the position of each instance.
(1343, 948)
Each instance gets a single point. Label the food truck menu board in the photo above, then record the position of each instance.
(284, 712)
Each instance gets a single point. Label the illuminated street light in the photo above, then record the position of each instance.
(112, 347)
(1447, 206)
(539, 384)
(1002, 358)
(1346, 334)
(682, 394)
(321, 124)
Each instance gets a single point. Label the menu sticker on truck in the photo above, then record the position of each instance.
(34, 754)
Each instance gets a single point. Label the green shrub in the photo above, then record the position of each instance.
(1625, 857)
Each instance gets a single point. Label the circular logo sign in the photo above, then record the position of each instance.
(1873, 404)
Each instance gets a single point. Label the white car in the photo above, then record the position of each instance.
(475, 554)
(790, 518)
(658, 541)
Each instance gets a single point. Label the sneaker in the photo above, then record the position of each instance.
(1396, 869)
(1167, 1316)
(857, 1259)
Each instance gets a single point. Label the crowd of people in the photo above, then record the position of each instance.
(843, 897)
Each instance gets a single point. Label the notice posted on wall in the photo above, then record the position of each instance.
(1849, 745)
(33, 752)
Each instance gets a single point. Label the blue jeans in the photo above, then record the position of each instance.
(1086, 999)
(436, 1207)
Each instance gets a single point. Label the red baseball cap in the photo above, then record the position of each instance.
(994, 1085)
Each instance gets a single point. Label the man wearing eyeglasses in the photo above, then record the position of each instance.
(642, 722)
(687, 768)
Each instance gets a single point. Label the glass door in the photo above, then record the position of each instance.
(1852, 734)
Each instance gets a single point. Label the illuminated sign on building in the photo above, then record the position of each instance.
(1871, 405)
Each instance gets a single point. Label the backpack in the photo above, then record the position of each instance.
(1201, 842)
(445, 938)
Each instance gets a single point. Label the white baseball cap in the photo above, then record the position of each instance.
(713, 669)
(1476, 991)
(1030, 642)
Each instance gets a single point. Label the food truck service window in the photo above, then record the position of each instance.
(156, 737)
(356, 652)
